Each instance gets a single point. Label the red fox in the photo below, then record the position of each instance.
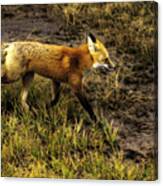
(59, 63)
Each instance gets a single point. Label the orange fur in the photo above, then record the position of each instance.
(59, 63)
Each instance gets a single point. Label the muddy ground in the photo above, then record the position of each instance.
(127, 95)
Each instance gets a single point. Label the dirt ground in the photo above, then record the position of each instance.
(127, 95)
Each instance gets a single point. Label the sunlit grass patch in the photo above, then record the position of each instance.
(61, 147)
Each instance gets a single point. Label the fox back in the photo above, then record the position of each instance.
(59, 63)
(52, 61)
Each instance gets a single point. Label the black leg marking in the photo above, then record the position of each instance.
(56, 89)
(86, 105)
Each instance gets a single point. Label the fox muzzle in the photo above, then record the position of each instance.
(110, 62)
(99, 65)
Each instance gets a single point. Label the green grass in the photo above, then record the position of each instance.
(63, 144)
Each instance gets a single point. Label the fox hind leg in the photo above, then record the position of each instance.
(4, 76)
(26, 80)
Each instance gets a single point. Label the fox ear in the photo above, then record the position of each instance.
(92, 37)
(91, 42)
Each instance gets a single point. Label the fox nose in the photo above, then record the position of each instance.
(110, 62)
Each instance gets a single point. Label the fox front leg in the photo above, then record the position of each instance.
(26, 80)
(76, 84)
(56, 89)
(84, 102)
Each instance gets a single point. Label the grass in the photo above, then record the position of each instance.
(58, 146)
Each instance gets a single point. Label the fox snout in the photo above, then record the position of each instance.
(109, 63)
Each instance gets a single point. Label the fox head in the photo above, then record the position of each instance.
(98, 52)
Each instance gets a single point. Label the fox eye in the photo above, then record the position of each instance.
(106, 60)
(97, 49)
